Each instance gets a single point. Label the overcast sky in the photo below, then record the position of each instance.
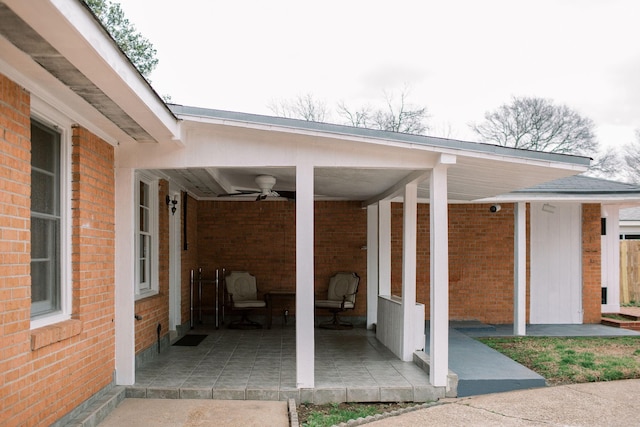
(459, 58)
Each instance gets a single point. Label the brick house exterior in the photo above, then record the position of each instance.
(113, 125)
(74, 358)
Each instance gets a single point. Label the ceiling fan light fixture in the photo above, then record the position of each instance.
(265, 183)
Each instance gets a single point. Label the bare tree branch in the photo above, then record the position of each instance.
(396, 116)
(305, 107)
(539, 124)
(631, 159)
(356, 118)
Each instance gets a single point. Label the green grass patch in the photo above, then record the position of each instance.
(336, 415)
(331, 414)
(574, 360)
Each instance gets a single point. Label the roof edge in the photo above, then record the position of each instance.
(259, 119)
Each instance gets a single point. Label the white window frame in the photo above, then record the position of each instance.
(51, 117)
(151, 286)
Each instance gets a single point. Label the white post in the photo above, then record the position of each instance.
(384, 247)
(125, 278)
(409, 255)
(439, 266)
(372, 265)
(305, 345)
(520, 269)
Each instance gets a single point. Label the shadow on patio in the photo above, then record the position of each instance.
(350, 365)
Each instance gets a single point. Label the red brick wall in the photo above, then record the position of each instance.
(154, 310)
(16, 364)
(591, 263)
(260, 237)
(339, 239)
(481, 256)
(47, 372)
(480, 260)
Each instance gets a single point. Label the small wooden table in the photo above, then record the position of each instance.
(270, 296)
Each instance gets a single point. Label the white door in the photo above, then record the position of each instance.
(556, 263)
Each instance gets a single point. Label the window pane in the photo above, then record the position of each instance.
(42, 236)
(45, 148)
(45, 267)
(45, 231)
(43, 193)
(144, 194)
(40, 273)
(143, 272)
(144, 219)
(143, 247)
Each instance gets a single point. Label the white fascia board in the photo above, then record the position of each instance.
(72, 30)
(615, 199)
(189, 120)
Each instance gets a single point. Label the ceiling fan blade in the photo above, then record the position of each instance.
(291, 195)
(239, 193)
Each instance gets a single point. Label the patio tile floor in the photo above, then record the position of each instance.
(350, 365)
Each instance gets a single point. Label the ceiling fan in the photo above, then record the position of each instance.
(265, 183)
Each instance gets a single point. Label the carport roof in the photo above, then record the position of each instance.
(479, 170)
(330, 128)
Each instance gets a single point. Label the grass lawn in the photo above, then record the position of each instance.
(559, 360)
(335, 413)
(573, 360)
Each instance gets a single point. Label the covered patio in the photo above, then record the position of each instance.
(350, 365)
(222, 153)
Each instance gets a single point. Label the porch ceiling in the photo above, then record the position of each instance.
(330, 183)
(225, 151)
(469, 180)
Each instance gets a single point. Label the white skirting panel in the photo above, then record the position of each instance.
(389, 326)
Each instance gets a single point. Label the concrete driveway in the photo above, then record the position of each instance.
(613, 403)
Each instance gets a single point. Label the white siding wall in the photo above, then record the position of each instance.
(556, 266)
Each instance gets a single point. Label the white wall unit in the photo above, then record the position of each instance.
(390, 318)
(556, 263)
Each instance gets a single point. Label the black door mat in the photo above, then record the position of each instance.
(190, 340)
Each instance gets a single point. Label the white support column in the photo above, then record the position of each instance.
(520, 269)
(372, 265)
(305, 344)
(384, 247)
(439, 266)
(125, 278)
(409, 256)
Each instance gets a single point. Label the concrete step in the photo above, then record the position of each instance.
(97, 411)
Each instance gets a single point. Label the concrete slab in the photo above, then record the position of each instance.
(592, 404)
(482, 370)
(191, 413)
(587, 330)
